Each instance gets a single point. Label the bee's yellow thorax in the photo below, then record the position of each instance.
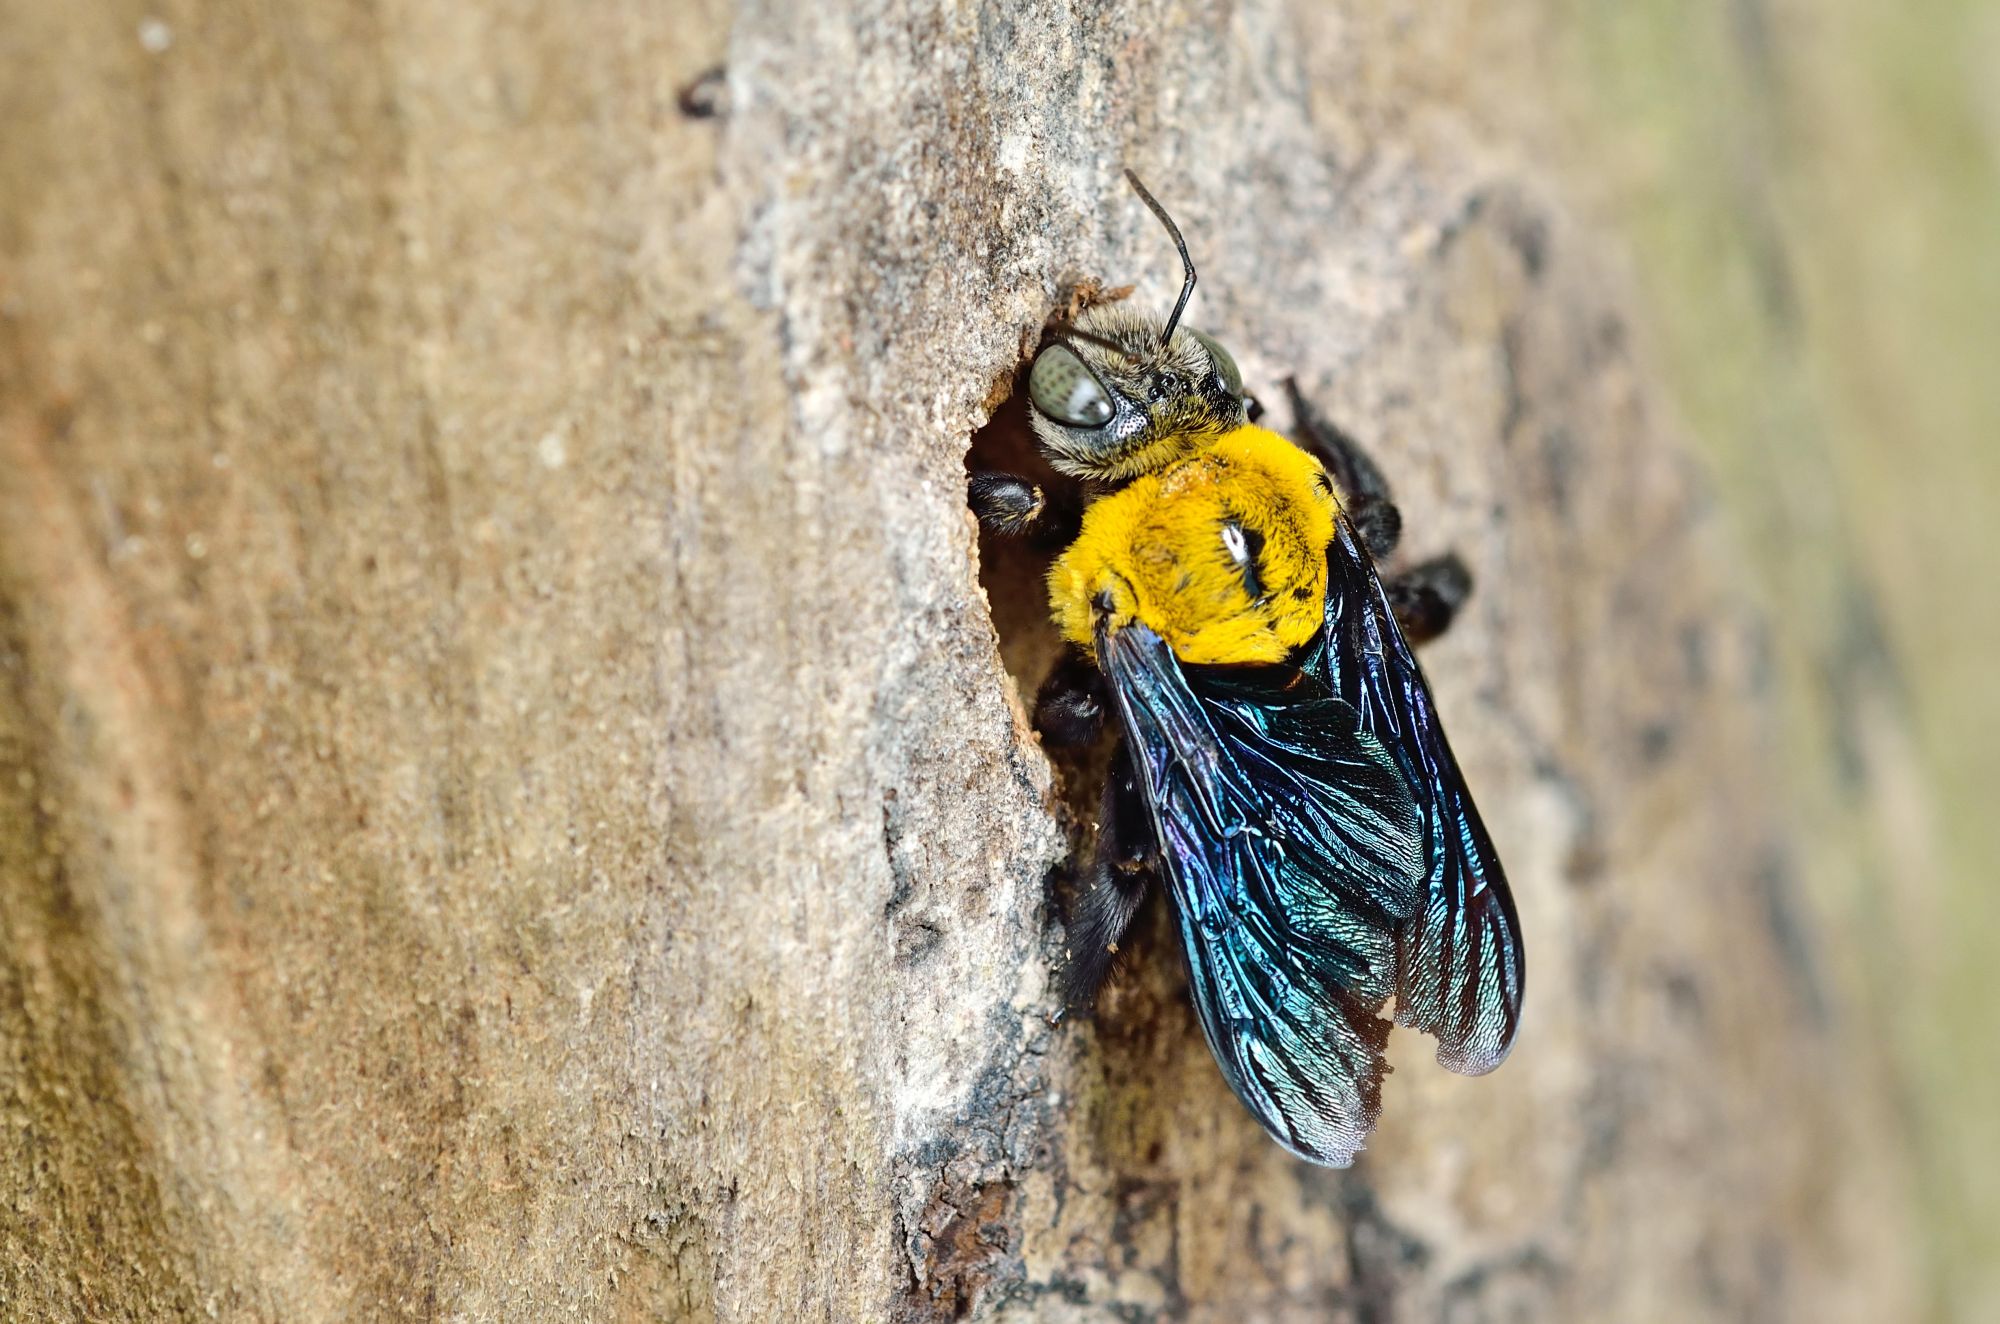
(1169, 551)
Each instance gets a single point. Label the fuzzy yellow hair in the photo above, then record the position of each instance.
(1159, 551)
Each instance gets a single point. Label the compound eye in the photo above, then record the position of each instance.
(1225, 366)
(1061, 386)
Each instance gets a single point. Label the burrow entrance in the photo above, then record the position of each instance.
(1014, 573)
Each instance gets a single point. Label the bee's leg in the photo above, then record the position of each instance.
(1362, 486)
(1071, 706)
(1016, 508)
(1427, 596)
(1120, 870)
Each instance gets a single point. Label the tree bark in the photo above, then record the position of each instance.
(514, 794)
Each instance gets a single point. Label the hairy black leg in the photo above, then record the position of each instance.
(1352, 469)
(1017, 508)
(1427, 596)
(1072, 704)
(1120, 871)
(1424, 597)
(1362, 487)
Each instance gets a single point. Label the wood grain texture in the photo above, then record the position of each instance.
(513, 802)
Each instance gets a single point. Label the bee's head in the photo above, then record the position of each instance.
(1116, 394)
(1112, 398)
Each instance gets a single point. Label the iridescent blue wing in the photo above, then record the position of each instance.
(1459, 965)
(1294, 853)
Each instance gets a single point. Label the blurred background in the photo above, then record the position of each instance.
(1812, 196)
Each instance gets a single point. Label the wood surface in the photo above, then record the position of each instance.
(515, 802)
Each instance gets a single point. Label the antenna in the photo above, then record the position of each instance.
(1187, 263)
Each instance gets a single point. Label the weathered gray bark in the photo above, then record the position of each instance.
(510, 800)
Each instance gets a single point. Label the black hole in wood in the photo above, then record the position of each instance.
(1014, 573)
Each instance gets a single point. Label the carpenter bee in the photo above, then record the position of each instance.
(1281, 767)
